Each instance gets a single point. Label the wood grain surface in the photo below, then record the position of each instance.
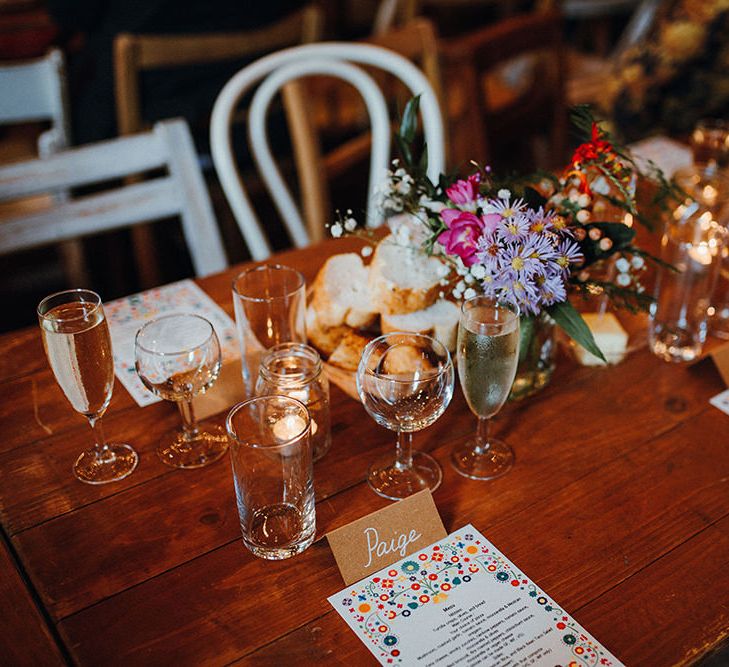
(618, 506)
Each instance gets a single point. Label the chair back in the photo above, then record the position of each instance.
(314, 107)
(336, 59)
(178, 191)
(136, 53)
(35, 91)
(535, 39)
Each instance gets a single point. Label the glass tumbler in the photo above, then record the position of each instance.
(271, 455)
(294, 369)
(693, 243)
(270, 308)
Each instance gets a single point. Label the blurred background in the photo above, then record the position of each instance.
(648, 66)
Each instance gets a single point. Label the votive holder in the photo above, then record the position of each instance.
(295, 370)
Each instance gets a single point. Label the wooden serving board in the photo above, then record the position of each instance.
(345, 380)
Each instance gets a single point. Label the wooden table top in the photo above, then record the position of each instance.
(618, 507)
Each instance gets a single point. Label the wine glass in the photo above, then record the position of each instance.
(178, 357)
(78, 346)
(405, 382)
(488, 352)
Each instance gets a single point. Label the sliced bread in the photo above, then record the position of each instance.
(324, 339)
(439, 320)
(349, 351)
(404, 279)
(340, 295)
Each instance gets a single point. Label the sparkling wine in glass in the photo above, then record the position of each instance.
(488, 352)
(405, 382)
(177, 358)
(78, 346)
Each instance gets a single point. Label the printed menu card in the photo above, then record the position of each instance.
(126, 316)
(461, 602)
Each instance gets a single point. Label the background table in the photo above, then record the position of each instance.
(618, 506)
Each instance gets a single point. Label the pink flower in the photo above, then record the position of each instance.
(464, 192)
(461, 237)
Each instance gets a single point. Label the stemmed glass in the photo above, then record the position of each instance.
(177, 358)
(78, 346)
(405, 382)
(488, 353)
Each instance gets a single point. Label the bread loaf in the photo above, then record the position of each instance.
(349, 351)
(324, 339)
(403, 279)
(340, 295)
(439, 321)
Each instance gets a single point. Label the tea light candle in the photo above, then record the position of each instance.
(288, 427)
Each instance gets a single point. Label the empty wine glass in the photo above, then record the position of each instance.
(405, 382)
(78, 346)
(488, 353)
(177, 358)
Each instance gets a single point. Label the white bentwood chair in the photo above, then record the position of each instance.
(336, 59)
(177, 190)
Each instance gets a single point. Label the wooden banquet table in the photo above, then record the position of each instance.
(618, 507)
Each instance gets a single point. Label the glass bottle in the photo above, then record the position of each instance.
(295, 370)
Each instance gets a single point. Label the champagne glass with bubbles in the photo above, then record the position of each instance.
(405, 382)
(177, 358)
(488, 353)
(78, 346)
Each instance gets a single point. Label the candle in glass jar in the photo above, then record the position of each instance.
(288, 427)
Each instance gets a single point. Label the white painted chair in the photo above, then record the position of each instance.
(35, 91)
(336, 59)
(180, 191)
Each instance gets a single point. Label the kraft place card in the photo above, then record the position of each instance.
(378, 539)
(460, 601)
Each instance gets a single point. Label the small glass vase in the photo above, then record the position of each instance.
(537, 353)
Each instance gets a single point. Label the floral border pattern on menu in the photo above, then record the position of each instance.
(429, 576)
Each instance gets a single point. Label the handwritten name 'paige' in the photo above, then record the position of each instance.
(383, 547)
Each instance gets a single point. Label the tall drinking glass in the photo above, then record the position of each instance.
(271, 455)
(488, 354)
(270, 308)
(177, 358)
(78, 346)
(405, 382)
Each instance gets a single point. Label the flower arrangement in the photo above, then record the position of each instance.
(530, 241)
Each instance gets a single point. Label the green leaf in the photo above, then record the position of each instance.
(409, 122)
(423, 162)
(405, 151)
(571, 322)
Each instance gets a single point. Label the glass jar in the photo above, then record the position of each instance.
(693, 243)
(295, 370)
(537, 351)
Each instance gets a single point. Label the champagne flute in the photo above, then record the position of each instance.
(488, 353)
(78, 346)
(405, 382)
(178, 357)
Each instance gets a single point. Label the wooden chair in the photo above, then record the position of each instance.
(333, 59)
(180, 191)
(135, 54)
(309, 105)
(35, 91)
(482, 110)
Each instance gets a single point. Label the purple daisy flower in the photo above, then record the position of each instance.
(568, 252)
